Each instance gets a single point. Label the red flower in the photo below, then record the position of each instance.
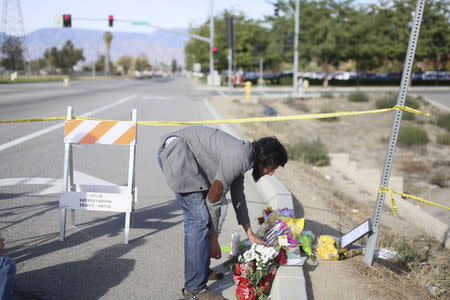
(245, 293)
(282, 257)
(260, 220)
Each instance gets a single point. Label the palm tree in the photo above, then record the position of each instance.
(107, 37)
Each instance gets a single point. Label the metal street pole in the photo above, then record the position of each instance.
(409, 60)
(230, 69)
(211, 44)
(297, 27)
(261, 73)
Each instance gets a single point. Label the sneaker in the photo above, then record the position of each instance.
(215, 275)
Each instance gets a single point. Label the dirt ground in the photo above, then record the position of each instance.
(331, 204)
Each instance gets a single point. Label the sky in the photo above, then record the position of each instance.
(168, 14)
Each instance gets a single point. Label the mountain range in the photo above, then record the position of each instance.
(159, 46)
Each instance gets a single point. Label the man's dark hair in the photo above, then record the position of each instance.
(268, 151)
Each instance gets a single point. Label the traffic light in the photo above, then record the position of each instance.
(289, 42)
(276, 9)
(67, 20)
(230, 33)
(110, 20)
(214, 51)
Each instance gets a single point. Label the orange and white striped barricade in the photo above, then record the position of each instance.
(98, 197)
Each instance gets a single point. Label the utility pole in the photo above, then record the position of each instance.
(211, 44)
(261, 74)
(230, 46)
(296, 30)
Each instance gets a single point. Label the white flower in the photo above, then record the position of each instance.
(259, 253)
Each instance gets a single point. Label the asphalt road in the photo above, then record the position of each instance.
(92, 262)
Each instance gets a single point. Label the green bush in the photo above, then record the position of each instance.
(444, 139)
(311, 152)
(444, 121)
(390, 99)
(289, 100)
(286, 81)
(413, 136)
(358, 97)
(325, 111)
(327, 95)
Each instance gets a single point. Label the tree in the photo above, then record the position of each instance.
(364, 47)
(11, 49)
(100, 64)
(434, 40)
(248, 33)
(69, 57)
(126, 62)
(107, 37)
(141, 63)
(325, 32)
(173, 66)
(52, 58)
(63, 59)
(38, 64)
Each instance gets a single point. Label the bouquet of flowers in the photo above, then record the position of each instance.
(327, 249)
(278, 223)
(256, 270)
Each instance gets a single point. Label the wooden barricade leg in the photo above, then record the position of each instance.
(62, 224)
(65, 182)
(130, 218)
(70, 184)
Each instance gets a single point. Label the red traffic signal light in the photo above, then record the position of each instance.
(214, 49)
(67, 20)
(110, 20)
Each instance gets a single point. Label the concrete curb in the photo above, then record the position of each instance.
(289, 282)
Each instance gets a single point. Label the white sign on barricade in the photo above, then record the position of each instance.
(98, 197)
(96, 201)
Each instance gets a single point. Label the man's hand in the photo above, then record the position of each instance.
(214, 248)
(253, 238)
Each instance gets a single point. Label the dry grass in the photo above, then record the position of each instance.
(414, 167)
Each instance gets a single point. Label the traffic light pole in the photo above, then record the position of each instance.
(296, 30)
(230, 70)
(211, 45)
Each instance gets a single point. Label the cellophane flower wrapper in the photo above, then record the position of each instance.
(281, 222)
(306, 240)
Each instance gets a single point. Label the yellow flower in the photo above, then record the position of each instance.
(326, 248)
(326, 239)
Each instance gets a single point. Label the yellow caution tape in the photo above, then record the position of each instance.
(391, 193)
(411, 110)
(35, 120)
(246, 120)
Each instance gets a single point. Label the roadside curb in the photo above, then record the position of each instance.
(289, 283)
